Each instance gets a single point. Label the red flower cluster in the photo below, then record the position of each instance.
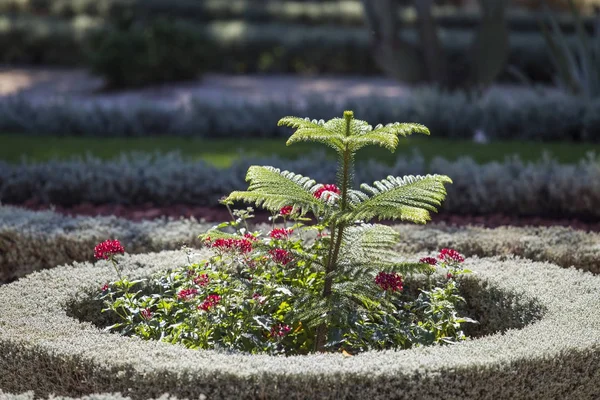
(280, 330)
(201, 280)
(107, 249)
(104, 287)
(146, 314)
(187, 294)
(450, 255)
(389, 281)
(281, 256)
(326, 188)
(211, 301)
(428, 260)
(285, 211)
(241, 245)
(250, 237)
(281, 233)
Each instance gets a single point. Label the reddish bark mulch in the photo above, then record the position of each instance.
(217, 214)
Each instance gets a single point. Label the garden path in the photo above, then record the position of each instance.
(42, 85)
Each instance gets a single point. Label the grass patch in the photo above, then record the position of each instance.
(222, 152)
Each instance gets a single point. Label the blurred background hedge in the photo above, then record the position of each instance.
(246, 36)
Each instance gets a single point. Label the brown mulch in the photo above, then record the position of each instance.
(218, 214)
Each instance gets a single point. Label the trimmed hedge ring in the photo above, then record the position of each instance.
(35, 240)
(556, 357)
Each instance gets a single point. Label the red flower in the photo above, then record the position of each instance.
(281, 256)
(287, 210)
(241, 245)
(450, 256)
(104, 288)
(281, 233)
(258, 297)
(250, 237)
(211, 301)
(146, 314)
(187, 294)
(389, 281)
(326, 188)
(280, 330)
(428, 260)
(449, 276)
(201, 280)
(107, 249)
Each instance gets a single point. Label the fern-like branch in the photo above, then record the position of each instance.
(273, 189)
(313, 131)
(409, 199)
(361, 134)
(384, 136)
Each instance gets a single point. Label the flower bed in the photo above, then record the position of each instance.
(556, 354)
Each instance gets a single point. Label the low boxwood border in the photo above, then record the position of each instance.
(36, 240)
(555, 357)
(565, 247)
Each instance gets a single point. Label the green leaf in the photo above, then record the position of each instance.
(384, 136)
(312, 131)
(273, 189)
(409, 199)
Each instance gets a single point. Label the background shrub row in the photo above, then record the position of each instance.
(343, 12)
(556, 357)
(512, 187)
(242, 47)
(500, 114)
(31, 241)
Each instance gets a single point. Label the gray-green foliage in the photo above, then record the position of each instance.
(561, 246)
(34, 240)
(31, 241)
(524, 114)
(556, 357)
(513, 187)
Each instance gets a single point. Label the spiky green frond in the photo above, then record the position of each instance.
(369, 237)
(349, 133)
(313, 131)
(315, 259)
(367, 243)
(273, 189)
(406, 268)
(410, 198)
(384, 136)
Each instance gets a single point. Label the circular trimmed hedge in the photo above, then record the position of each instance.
(35, 240)
(555, 355)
